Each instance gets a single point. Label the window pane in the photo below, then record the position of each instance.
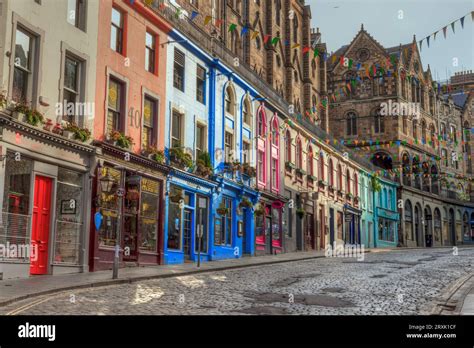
(23, 49)
(174, 226)
(71, 11)
(114, 95)
(20, 84)
(116, 17)
(70, 73)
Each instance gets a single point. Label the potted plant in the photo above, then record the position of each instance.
(237, 166)
(249, 171)
(121, 139)
(289, 166)
(19, 111)
(222, 210)
(322, 183)
(245, 203)
(300, 212)
(73, 131)
(181, 159)
(159, 156)
(300, 171)
(259, 211)
(57, 129)
(375, 183)
(34, 118)
(312, 177)
(48, 125)
(228, 167)
(203, 165)
(349, 195)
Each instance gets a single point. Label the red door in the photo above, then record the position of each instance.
(40, 225)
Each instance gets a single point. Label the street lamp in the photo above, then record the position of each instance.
(107, 183)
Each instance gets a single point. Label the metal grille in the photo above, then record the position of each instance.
(14, 234)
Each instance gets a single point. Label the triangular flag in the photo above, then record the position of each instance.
(194, 14)
(207, 20)
(219, 22)
(232, 27)
(472, 15)
(244, 30)
(334, 58)
(275, 40)
(350, 63)
(296, 45)
(452, 26)
(434, 35)
(444, 32)
(421, 42)
(462, 22)
(316, 52)
(266, 38)
(254, 35)
(306, 49)
(428, 41)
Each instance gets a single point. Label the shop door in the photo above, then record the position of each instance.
(40, 224)
(244, 231)
(187, 233)
(310, 233)
(130, 238)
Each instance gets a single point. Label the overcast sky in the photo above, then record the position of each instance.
(340, 20)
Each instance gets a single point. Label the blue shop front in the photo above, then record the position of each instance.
(386, 228)
(207, 219)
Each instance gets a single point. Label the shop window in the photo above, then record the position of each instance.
(223, 229)
(174, 219)
(228, 146)
(276, 231)
(109, 203)
(16, 201)
(260, 229)
(150, 52)
(69, 223)
(246, 152)
(117, 31)
(275, 156)
(340, 227)
(149, 215)
(386, 230)
(150, 121)
(115, 111)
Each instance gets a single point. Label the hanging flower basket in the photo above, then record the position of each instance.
(245, 203)
(177, 196)
(222, 210)
(259, 211)
(300, 212)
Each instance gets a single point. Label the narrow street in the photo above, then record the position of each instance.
(394, 282)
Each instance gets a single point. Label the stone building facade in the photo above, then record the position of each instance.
(419, 145)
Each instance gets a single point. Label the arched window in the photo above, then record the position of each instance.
(385, 201)
(295, 28)
(356, 185)
(275, 155)
(423, 132)
(406, 169)
(331, 173)
(313, 68)
(315, 103)
(261, 149)
(443, 131)
(432, 135)
(437, 225)
(348, 181)
(415, 129)
(379, 124)
(390, 198)
(229, 101)
(234, 42)
(321, 166)
(339, 177)
(408, 220)
(288, 142)
(467, 131)
(309, 162)
(246, 112)
(404, 125)
(351, 123)
(299, 153)
(278, 11)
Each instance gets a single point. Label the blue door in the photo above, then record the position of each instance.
(331, 226)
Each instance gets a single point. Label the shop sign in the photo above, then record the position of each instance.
(150, 186)
(98, 220)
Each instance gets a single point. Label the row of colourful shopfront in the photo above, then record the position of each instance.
(191, 158)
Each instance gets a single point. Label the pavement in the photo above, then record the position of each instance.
(467, 307)
(12, 290)
(395, 282)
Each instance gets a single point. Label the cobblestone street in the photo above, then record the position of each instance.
(394, 282)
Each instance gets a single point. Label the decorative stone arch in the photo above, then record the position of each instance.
(418, 215)
(409, 221)
(438, 238)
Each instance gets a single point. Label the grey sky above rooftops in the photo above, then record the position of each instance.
(340, 20)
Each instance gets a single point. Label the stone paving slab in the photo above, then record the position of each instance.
(12, 290)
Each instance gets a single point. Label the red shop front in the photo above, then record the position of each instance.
(269, 227)
(128, 209)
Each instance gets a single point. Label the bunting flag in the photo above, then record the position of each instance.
(428, 41)
(462, 22)
(207, 19)
(232, 27)
(219, 22)
(444, 31)
(434, 35)
(296, 45)
(266, 38)
(194, 14)
(452, 26)
(316, 52)
(421, 42)
(307, 49)
(254, 35)
(244, 30)
(275, 40)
